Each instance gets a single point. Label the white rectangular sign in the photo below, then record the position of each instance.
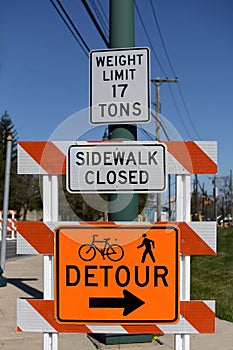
(116, 167)
(119, 86)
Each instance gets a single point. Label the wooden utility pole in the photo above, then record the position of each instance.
(215, 194)
(195, 210)
(157, 83)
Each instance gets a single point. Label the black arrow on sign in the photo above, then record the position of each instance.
(129, 302)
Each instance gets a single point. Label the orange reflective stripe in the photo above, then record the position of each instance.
(191, 242)
(199, 315)
(46, 309)
(38, 235)
(50, 158)
(192, 157)
(196, 313)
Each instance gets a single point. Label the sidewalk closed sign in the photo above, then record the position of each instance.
(122, 167)
(119, 86)
(117, 273)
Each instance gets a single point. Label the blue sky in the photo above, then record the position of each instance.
(44, 74)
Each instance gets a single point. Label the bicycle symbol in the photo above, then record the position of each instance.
(114, 251)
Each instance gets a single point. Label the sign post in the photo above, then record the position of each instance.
(122, 36)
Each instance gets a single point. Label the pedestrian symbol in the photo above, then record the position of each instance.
(148, 244)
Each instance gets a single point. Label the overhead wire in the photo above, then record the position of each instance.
(146, 133)
(161, 38)
(161, 125)
(172, 69)
(103, 12)
(98, 27)
(187, 111)
(103, 22)
(149, 40)
(178, 112)
(78, 38)
(86, 49)
(162, 69)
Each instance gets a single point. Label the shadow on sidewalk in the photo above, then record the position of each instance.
(19, 283)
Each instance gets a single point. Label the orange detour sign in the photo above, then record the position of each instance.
(117, 273)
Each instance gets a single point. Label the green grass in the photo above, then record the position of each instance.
(212, 276)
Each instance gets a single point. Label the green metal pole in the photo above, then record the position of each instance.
(122, 36)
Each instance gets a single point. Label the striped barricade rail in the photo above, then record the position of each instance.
(197, 238)
(11, 222)
(183, 157)
(38, 316)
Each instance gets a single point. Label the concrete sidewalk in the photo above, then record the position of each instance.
(25, 280)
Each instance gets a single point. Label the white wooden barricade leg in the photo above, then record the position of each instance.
(50, 213)
(183, 198)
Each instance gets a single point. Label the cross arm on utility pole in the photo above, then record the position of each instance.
(159, 81)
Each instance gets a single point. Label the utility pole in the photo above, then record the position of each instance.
(215, 196)
(195, 199)
(157, 83)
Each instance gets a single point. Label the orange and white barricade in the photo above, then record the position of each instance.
(183, 158)
(11, 223)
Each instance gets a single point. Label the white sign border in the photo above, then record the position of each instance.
(92, 107)
(112, 143)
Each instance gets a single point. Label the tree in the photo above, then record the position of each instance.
(24, 189)
(27, 194)
(7, 127)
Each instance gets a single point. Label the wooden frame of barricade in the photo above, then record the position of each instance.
(48, 159)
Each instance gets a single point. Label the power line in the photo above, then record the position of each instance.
(86, 49)
(95, 23)
(173, 71)
(161, 38)
(162, 127)
(104, 14)
(82, 44)
(152, 47)
(102, 20)
(187, 111)
(148, 135)
(178, 112)
(148, 38)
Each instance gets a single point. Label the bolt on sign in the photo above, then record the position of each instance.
(122, 167)
(119, 86)
(117, 273)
